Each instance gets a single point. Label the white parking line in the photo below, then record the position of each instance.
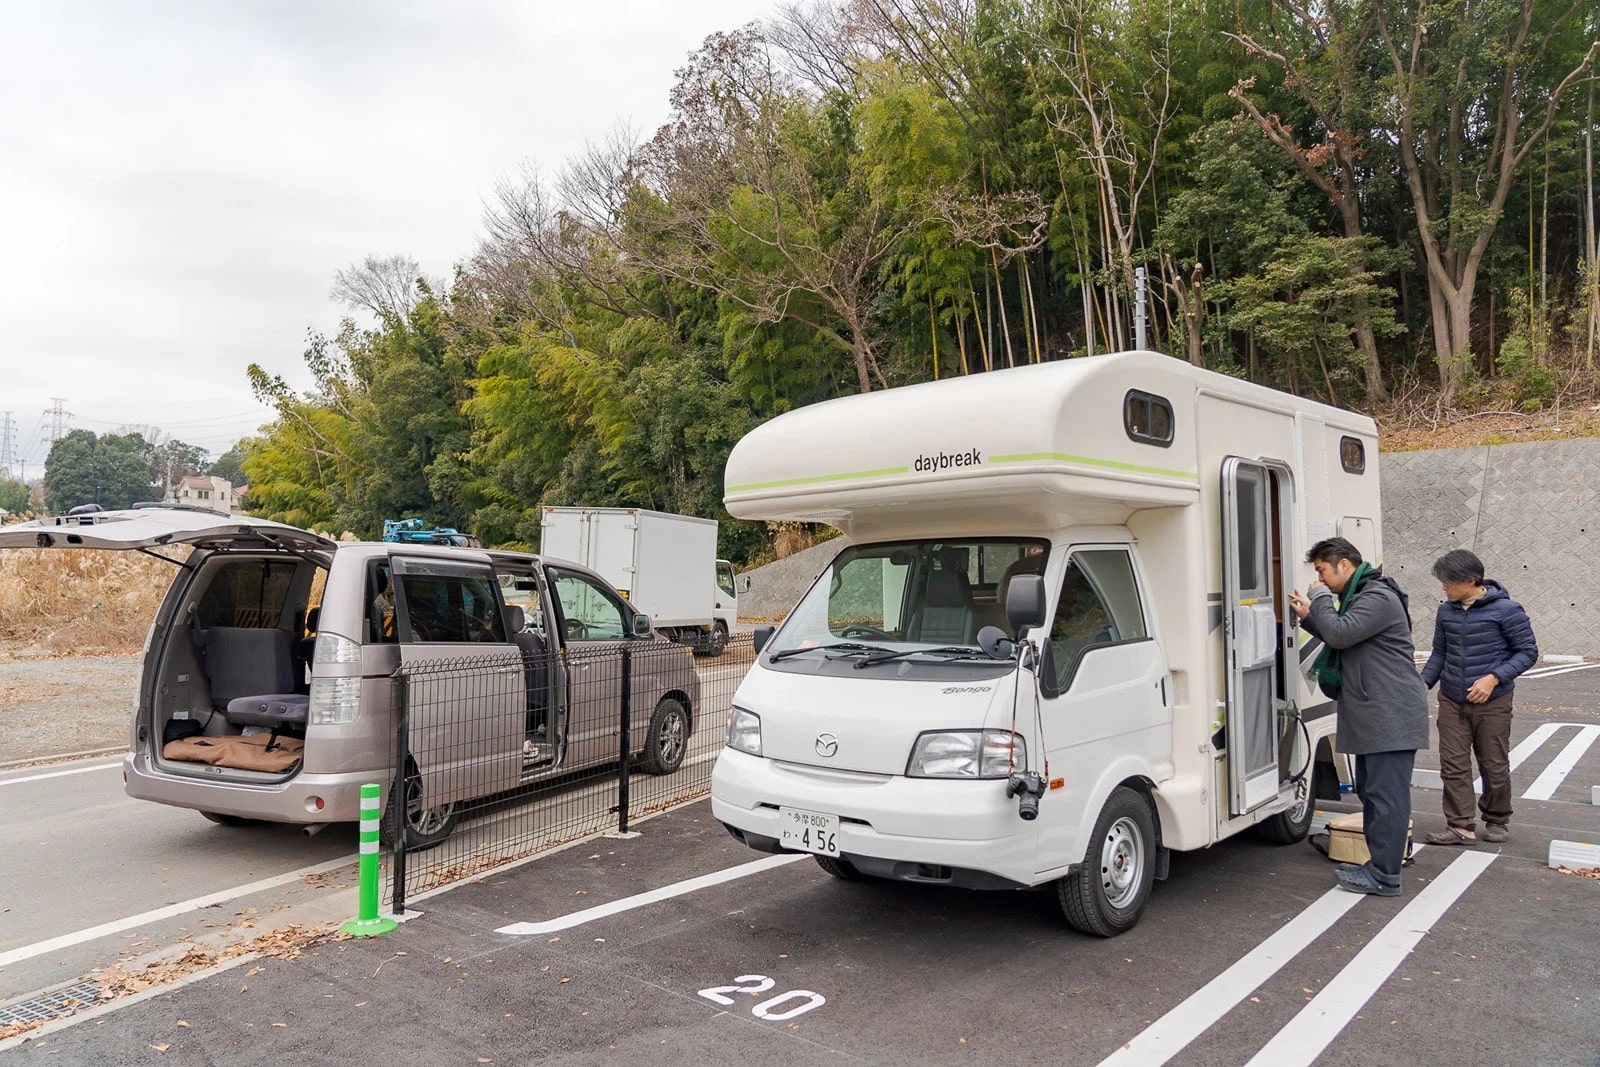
(1552, 672)
(639, 900)
(1170, 1034)
(116, 926)
(1423, 778)
(1330, 1011)
(1545, 786)
(62, 774)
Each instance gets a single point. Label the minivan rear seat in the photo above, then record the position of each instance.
(252, 677)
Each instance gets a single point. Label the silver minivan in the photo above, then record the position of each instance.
(271, 631)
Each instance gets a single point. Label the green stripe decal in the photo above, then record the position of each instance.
(883, 472)
(1090, 461)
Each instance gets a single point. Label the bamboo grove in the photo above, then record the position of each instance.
(1348, 200)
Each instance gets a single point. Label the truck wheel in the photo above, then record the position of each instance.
(712, 644)
(426, 827)
(1288, 827)
(664, 749)
(1106, 895)
(840, 868)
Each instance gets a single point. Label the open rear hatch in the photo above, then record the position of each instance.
(146, 528)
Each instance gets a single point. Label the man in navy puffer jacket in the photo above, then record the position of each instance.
(1481, 641)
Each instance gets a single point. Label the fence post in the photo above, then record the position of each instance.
(397, 791)
(368, 922)
(627, 738)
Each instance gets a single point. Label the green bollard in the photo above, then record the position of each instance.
(369, 922)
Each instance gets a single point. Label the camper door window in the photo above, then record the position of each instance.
(1099, 605)
(927, 598)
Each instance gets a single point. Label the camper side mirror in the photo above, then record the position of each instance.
(744, 584)
(762, 635)
(995, 643)
(516, 619)
(1025, 602)
(641, 625)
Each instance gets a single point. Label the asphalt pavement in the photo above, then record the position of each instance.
(682, 947)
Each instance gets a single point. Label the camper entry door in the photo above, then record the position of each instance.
(1251, 631)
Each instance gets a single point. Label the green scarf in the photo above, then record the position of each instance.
(1326, 668)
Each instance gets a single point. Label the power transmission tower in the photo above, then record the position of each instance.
(8, 448)
(58, 416)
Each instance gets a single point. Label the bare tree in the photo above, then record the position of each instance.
(385, 286)
(1464, 81)
(1320, 48)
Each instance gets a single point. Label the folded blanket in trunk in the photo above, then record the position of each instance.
(243, 753)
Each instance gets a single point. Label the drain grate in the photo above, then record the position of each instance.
(49, 1006)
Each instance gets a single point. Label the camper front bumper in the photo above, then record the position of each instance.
(912, 829)
(292, 801)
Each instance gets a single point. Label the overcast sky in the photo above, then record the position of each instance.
(180, 181)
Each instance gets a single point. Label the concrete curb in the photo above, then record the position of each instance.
(1574, 855)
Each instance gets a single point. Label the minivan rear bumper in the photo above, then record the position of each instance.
(292, 801)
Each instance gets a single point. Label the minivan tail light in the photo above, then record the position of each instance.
(334, 701)
(331, 648)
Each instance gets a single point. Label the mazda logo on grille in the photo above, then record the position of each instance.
(827, 745)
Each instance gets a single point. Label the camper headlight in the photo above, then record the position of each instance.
(744, 731)
(967, 754)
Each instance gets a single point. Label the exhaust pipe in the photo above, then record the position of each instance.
(312, 829)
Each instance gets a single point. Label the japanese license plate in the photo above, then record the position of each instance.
(809, 831)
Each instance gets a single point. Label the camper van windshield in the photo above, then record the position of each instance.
(926, 599)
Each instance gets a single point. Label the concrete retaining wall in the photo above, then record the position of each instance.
(1528, 510)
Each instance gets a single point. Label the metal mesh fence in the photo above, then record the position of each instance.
(508, 755)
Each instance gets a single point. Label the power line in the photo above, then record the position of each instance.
(8, 429)
(58, 416)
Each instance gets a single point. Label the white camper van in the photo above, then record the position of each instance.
(1059, 646)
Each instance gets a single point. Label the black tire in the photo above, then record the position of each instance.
(1107, 894)
(712, 644)
(228, 820)
(840, 868)
(426, 827)
(1292, 826)
(668, 741)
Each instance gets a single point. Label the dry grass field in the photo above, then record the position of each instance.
(78, 602)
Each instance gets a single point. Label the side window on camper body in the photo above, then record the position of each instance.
(1147, 418)
(1099, 605)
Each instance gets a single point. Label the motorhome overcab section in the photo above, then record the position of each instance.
(1120, 552)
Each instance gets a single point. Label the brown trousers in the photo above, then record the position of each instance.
(1482, 730)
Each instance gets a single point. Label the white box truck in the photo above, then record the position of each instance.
(666, 565)
(1060, 645)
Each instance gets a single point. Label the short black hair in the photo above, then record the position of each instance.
(1333, 549)
(1458, 565)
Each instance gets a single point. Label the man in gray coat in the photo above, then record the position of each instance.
(1382, 705)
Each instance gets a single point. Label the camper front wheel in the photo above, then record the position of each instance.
(1106, 895)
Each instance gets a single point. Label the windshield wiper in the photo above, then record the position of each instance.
(965, 651)
(840, 646)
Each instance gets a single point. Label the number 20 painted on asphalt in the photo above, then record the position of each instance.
(758, 984)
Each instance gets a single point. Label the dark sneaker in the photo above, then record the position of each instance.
(1361, 880)
(1496, 834)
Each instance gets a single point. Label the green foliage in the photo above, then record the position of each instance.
(230, 465)
(112, 470)
(13, 496)
(889, 193)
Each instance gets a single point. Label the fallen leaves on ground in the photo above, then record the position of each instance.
(1581, 872)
